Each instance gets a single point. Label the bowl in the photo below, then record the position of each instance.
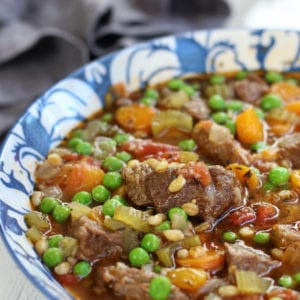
(78, 96)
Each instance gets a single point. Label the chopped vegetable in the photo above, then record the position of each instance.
(171, 119)
(229, 236)
(187, 145)
(100, 193)
(150, 242)
(61, 213)
(273, 77)
(248, 127)
(262, 238)
(286, 281)
(270, 101)
(52, 257)
(187, 278)
(47, 204)
(165, 257)
(78, 210)
(285, 90)
(249, 282)
(109, 207)
(82, 269)
(216, 102)
(211, 261)
(245, 175)
(176, 100)
(135, 117)
(293, 107)
(37, 220)
(137, 219)
(112, 180)
(83, 198)
(279, 176)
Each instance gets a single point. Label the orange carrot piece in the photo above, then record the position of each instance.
(285, 90)
(211, 261)
(249, 127)
(245, 175)
(293, 107)
(279, 127)
(135, 117)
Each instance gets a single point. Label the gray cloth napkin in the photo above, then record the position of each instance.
(43, 41)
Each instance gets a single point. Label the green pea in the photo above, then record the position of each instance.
(160, 288)
(52, 257)
(258, 146)
(111, 163)
(78, 133)
(54, 240)
(176, 84)
(112, 180)
(188, 89)
(176, 210)
(108, 208)
(231, 126)
(217, 79)
(187, 145)
(47, 204)
(262, 238)
(82, 269)
(220, 117)
(121, 138)
(151, 93)
(273, 77)
(279, 176)
(157, 268)
(216, 102)
(150, 242)
(107, 117)
(82, 197)
(229, 236)
(100, 193)
(138, 257)
(275, 298)
(120, 199)
(84, 148)
(148, 101)
(73, 142)
(296, 277)
(286, 281)
(241, 75)
(260, 113)
(61, 213)
(234, 105)
(124, 156)
(166, 225)
(270, 101)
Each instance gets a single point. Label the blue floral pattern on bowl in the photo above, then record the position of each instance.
(81, 94)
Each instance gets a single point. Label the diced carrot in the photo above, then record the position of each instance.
(135, 117)
(295, 178)
(285, 90)
(293, 107)
(211, 261)
(82, 177)
(279, 127)
(245, 175)
(187, 278)
(249, 127)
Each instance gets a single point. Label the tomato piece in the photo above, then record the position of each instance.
(67, 279)
(142, 149)
(265, 213)
(197, 170)
(187, 278)
(211, 261)
(242, 216)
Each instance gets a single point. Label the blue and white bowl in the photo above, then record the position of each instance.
(81, 94)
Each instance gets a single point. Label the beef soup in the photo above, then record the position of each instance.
(186, 190)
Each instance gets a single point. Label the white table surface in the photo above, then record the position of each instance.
(249, 13)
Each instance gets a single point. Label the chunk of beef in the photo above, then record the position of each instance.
(289, 148)
(197, 108)
(214, 199)
(217, 144)
(135, 177)
(95, 241)
(291, 258)
(251, 89)
(245, 258)
(131, 283)
(285, 234)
